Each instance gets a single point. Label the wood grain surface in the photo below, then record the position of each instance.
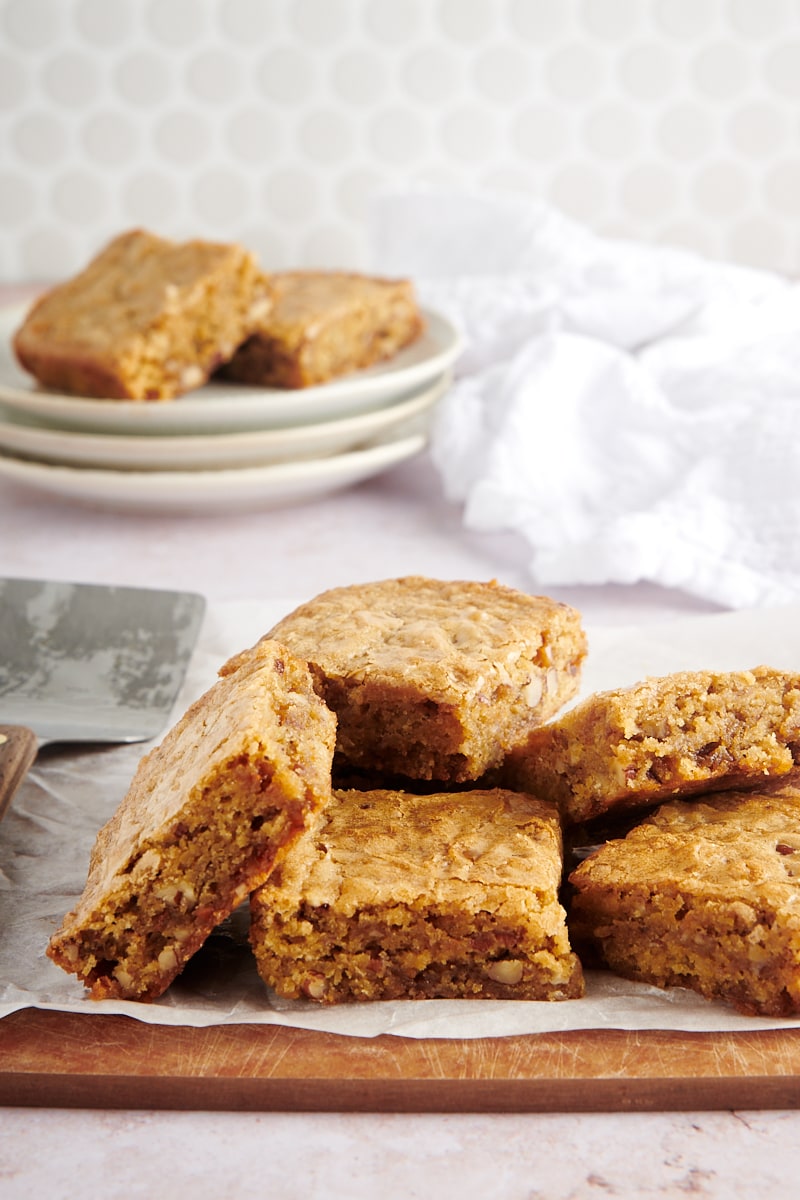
(17, 751)
(70, 1060)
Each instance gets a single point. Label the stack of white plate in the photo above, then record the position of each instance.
(226, 445)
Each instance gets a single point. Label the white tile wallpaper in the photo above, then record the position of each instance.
(273, 121)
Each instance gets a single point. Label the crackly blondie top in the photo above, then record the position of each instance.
(394, 896)
(147, 319)
(671, 735)
(324, 324)
(435, 679)
(704, 895)
(207, 815)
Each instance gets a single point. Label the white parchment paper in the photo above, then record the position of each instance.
(46, 836)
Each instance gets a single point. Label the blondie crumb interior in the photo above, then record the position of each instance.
(432, 679)
(147, 319)
(703, 895)
(323, 324)
(208, 814)
(677, 734)
(415, 897)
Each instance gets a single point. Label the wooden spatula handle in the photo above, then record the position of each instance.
(17, 751)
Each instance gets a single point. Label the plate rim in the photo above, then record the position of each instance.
(128, 485)
(86, 447)
(359, 391)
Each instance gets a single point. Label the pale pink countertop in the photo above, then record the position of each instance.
(393, 525)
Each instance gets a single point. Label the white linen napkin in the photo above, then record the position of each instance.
(633, 411)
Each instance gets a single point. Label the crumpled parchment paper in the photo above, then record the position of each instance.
(47, 834)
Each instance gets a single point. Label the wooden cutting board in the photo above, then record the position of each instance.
(69, 1060)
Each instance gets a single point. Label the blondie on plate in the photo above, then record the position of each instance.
(147, 319)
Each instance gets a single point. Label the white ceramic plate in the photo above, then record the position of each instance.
(217, 451)
(213, 491)
(221, 407)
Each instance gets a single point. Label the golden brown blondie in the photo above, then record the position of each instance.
(323, 324)
(673, 735)
(414, 897)
(147, 319)
(703, 895)
(208, 814)
(432, 679)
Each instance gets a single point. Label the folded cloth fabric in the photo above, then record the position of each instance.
(633, 411)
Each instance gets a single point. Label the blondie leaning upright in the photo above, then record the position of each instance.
(208, 814)
(147, 319)
(432, 679)
(414, 897)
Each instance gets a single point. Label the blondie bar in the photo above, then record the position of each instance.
(432, 679)
(323, 324)
(673, 735)
(414, 897)
(208, 814)
(703, 895)
(148, 319)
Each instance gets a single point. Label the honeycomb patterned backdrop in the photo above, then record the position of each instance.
(275, 121)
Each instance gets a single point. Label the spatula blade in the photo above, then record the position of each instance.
(93, 663)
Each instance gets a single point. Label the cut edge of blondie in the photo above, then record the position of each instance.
(411, 952)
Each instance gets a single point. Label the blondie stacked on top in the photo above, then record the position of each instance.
(432, 679)
(150, 319)
(325, 324)
(694, 731)
(356, 894)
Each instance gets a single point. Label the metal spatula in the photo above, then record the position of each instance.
(87, 663)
